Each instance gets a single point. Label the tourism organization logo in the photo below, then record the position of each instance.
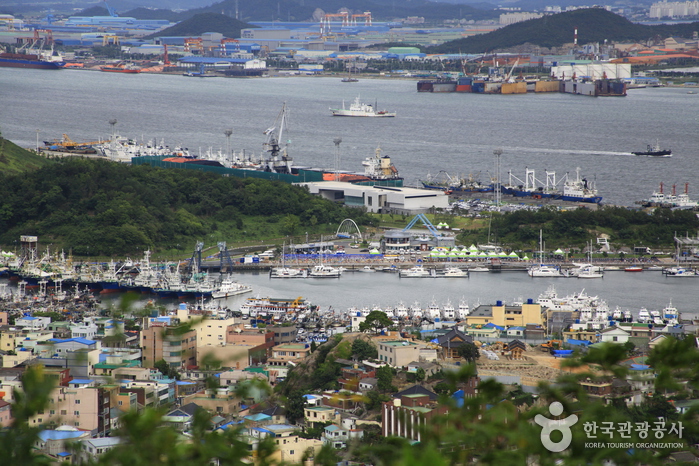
(551, 425)
(607, 434)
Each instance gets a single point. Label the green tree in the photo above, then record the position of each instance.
(166, 369)
(376, 321)
(468, 351)
(295, 403)
(363, 350)
(384, 377)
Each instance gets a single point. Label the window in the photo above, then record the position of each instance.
(291, 452)
(52, 412)
(77, 413)
(63, 412)
(121, 403)
(77, 402)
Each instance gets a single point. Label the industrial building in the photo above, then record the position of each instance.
(380, 199)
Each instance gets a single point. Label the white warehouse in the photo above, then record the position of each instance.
(380, 199)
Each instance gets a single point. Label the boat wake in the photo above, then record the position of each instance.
(564, 151)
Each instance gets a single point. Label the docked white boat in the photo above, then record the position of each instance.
(544, 270)
(288, 272)
(416, 272)
(324, 271)
(360, 109)
(366, 269)
(228, 288)
(479, 269)
(644, 316)
(592, 271)
(671, 315)
(463, 310)
(680, 272)
(448, 312)
(454, 272)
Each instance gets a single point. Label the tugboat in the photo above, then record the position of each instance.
(654, 151)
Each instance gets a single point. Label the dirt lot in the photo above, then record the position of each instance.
(537, 365)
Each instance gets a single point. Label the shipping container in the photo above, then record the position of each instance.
(492, 88)
(425, 86)
(514, 88)
(464, 84)
(547, 86)
(478, 87)
(444, 86)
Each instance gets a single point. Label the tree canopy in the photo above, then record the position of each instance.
(376, 321)
(95, 207)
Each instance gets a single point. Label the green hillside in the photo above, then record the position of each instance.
(14, 159)
(205, 22)
(101, 208)
(593, 24)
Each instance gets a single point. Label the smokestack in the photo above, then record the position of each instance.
(575, 37)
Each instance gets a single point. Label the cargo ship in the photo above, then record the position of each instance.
(574, 190)
(32, 55)
(455, 185)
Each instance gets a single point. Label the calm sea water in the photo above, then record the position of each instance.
(630, 291)
(432, 132)
(456, 133)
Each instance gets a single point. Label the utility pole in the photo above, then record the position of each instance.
(497, 153)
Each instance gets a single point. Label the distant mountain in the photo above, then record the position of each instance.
(308, 10)
(204, 22)
(593, 24)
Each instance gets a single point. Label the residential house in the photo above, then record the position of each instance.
(91, 449)
(506, 316)
(417, 390)
(368, 384)
(54, 442)
(5, 414)
(515, 332)
(290, 448)
(597, 388)
(161, 341)
(314, 415)
(534, 332)
(480, 331)
(33, 323)
(222, 401)
(277, 414)
(339, 435)
(84, 408)
(283, 335)
(450, 342)
(181, 418)
(290, 353)
(614, 335)
(398, 353)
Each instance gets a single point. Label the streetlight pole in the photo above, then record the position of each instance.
(497, 153)
(37, 141)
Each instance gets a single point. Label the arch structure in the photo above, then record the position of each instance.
(349, 229)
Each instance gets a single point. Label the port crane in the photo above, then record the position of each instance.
(68, 142)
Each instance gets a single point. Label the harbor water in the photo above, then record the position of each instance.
(456, 133)
(628, 291)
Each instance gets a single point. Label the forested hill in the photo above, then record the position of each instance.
(308, 10)
(593, 25)
(102, 208)
(14, 159)
(204, 22)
